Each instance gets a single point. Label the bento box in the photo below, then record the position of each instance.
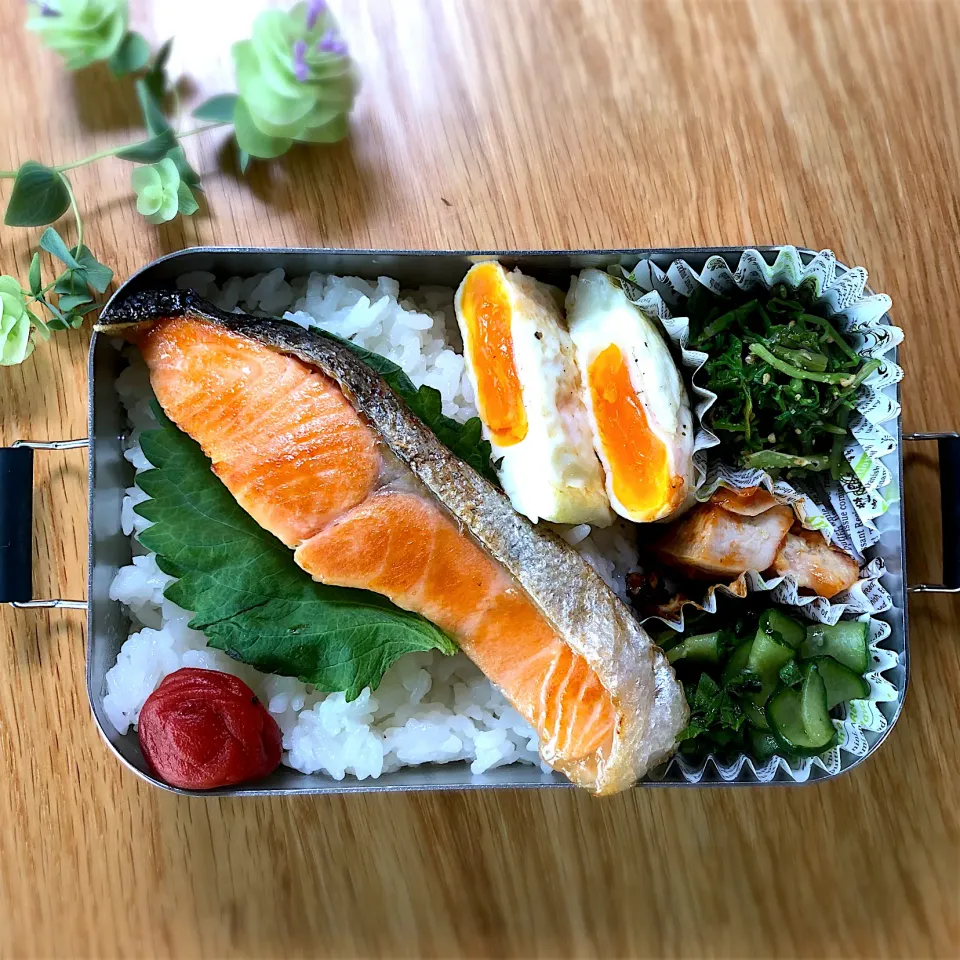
(110, 474)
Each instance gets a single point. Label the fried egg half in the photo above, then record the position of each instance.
(638, 406)
(520, 361)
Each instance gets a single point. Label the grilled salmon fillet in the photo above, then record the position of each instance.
(315, 446)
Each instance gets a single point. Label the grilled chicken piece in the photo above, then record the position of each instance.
(737, 531)
(816, 564)
(711, 541)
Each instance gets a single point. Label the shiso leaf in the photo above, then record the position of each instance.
(249, 596)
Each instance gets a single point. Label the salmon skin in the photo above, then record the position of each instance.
(319, 450)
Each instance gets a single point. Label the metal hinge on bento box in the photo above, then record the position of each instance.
(16, 523)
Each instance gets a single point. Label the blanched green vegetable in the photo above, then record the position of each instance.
(767, 656)
(703, 647)
(841, 682)
(777, 623)
(800, 719)
(786, 379)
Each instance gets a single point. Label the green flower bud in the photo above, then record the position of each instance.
(161, 194)
(295, 81)
(16, 344)
(81, 31)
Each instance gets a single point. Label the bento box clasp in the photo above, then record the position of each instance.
(948, 445)
(16, 523)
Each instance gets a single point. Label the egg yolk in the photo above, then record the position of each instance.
(637, 458)
(485, 307)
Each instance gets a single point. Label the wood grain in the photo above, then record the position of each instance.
(525, 124)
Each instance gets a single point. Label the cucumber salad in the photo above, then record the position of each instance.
(761, 682)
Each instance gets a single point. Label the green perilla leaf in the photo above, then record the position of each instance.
(249, 596)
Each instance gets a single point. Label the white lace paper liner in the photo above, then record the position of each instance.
(857, 716)
(845, 513)
(866, 596)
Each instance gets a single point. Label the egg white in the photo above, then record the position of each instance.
(553, 473)
(600, 314)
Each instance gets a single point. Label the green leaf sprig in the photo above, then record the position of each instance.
(786, 379)
(296, 82)
(163, 182)
(75, 286)
(295, 79)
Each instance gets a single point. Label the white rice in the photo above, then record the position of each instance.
(428, 708)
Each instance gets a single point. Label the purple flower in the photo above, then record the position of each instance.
(314, 9)
(44, 9)
(300, 69)
(331, 43)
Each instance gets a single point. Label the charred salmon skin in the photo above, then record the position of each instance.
(318, 449)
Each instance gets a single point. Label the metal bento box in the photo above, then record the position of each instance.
(110, 474)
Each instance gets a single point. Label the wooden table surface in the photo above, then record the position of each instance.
(524, 124)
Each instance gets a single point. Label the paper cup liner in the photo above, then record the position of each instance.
(867, 595)
(856, 717)
(862, 601)
(846, 511)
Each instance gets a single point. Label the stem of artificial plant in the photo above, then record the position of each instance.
(112, 151)
(76, 211)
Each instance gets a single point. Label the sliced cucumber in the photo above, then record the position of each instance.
(786, 721)
(841, 682)
(845, 641)
(755, 715)
(767, 656)
(813, 707)
(704, 648)
(800, 719)
(763, 744)
(737, 662)
(791, 632)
